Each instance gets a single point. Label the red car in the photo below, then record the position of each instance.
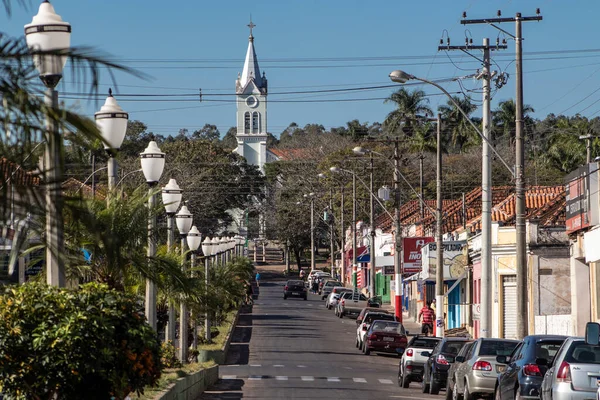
(385, 337)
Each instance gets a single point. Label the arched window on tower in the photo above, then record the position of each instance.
(247, 122)
(255, 122)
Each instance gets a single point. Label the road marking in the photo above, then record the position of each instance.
(359, 380)
(278, 365)
(255, 365)
(229, 377)
(386, 381)
(281, 378)
(333, 379)
(308, 378)
(301, 366)
(348, 367)
(254, 377)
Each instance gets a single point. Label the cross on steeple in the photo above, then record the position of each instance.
(251, 26)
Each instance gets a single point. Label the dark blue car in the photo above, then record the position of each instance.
(526, 367)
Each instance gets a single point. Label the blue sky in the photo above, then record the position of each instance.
(308, 45)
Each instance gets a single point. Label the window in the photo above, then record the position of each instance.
(255, 119)
(497, 348)
(580, 352)
(547, 349)
(247, 122)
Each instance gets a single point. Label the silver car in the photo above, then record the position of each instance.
(574, 373)
(475, 369)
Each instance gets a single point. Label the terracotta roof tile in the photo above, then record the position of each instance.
(12, 173)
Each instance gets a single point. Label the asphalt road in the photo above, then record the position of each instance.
(296, 349)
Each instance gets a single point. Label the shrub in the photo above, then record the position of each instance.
(90, 343)
(168, 355)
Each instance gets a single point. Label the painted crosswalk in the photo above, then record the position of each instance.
(306, 378)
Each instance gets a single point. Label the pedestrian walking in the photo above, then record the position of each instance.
(257, 278)
(426, 315)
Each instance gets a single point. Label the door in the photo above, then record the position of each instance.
(509, 306)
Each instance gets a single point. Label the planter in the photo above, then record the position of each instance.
(220, 356)
(192, 386)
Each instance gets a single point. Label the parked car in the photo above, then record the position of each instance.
(385, 337)
(365, 310)
(351, 303)
(411, 365)
(328, 286)
(316, 274)
(526, 367)
(369, 317)
(334, 296)
(574, 372)
(294, 288)
(435, 371)
(475, 369)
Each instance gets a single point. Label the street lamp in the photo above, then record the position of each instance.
(49, 37)
(216, 249)
(373, 271)
(207, 249)
(311, 196)
(194, 239)
(153, 164)
(184, 221)
(111, 120)
(171, 198)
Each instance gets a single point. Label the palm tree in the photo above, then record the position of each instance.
(503, 119)
(462, 133)
(409, 106)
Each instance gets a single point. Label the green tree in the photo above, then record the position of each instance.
(409, 106)
(503, 119)
(208, 132)
(462, 133)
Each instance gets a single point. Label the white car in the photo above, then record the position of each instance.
(312, 274)
(412, 362)
(334, 296)
(363, 327)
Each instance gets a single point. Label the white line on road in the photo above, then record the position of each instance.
(308, 378)
(229, 377)
(255, 365)
(333, 379)
(301, 366)
(281, 378)
(255, 377)
(278, 365)
(359, 380)
(386, 381)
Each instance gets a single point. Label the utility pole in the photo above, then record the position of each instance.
(421, 184)
(342, 239)
(486, 184)
(439, 245)
(373, 271)
(398, 303)
(521, 245)
(588, 147)
(312, 233)
(331, 223)
(354, 266)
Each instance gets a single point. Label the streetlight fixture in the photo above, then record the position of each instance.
(216, 249)
(111, 120)
(49, 37)
(153, 164)
(184, 222)
(194, 238)
(207, 249)
(171, 198)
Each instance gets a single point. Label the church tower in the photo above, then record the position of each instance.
(251, 99)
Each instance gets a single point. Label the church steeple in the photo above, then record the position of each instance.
(251, 69)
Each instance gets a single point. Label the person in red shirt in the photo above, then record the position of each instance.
(426, 316)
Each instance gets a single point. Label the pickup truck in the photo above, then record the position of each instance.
(351, 303)
(412, 362)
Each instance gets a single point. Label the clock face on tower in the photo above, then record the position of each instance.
(252, 101)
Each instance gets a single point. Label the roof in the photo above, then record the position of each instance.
(291, 154)
(251, 71)
(11, 173)
(74, 186)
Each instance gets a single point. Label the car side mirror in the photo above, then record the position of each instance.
(502, 359)
(592, 333)
(364, 328)
(425, 354)
(457, 359)
(542, 361)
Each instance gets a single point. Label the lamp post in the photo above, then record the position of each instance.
(338, 170)
(401, 77)
(153, 164)
(215, 249)
(184, 223)
(171, 198)
(373, 270)
(48, 33)
(207, 248)
(111, 120)
(311, 196)
(194, 238)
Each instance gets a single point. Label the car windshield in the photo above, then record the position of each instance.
(580, 352)
(423, 342)
(547, 349)
(497, 348)
(388, 327)
(333, 283)
(290, 283)
(452, 347)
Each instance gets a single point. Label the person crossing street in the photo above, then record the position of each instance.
(426, 315)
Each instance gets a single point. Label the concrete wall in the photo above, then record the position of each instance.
(553, 325)
(192, 386)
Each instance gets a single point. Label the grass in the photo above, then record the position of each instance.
(169, 376)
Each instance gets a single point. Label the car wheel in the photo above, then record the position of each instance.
(434, 387)
(455, 394)
(517, 393)
(284, 297)
(304, 297)
(424, 386)
(497, 395)
(405, 381)
(466, 394)
(449, 391)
